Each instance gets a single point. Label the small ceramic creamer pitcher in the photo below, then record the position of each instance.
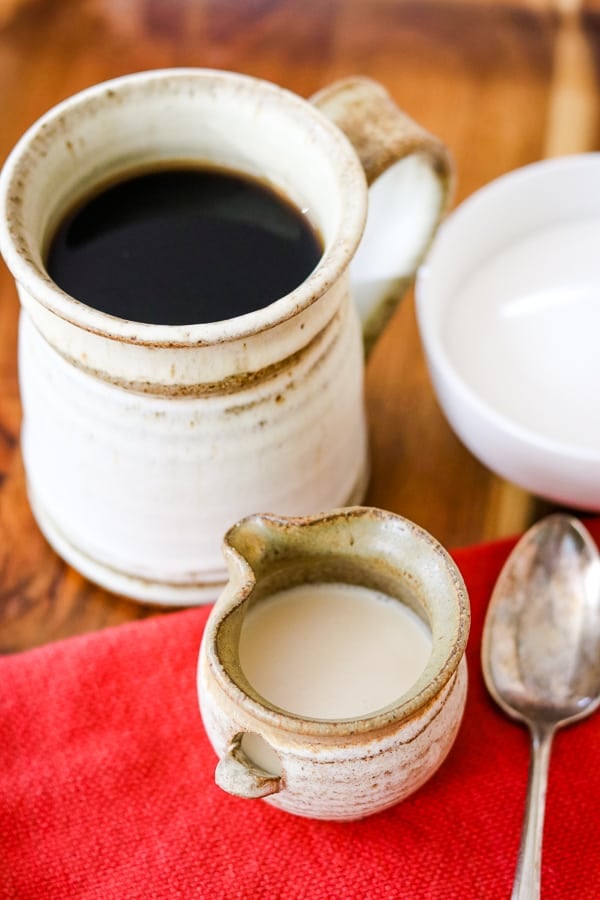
(342, 768)
(144, 442)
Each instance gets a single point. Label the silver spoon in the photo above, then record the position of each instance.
(541, 655)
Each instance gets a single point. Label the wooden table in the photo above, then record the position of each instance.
(503, 84)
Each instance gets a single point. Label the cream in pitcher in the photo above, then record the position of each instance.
(331, 676)
(151, 424)
(331, 651)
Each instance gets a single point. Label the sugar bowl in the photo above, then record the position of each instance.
(332, 677)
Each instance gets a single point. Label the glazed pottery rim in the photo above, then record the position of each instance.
(29, 151)
(422, 694)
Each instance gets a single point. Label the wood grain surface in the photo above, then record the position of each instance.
(503, 84)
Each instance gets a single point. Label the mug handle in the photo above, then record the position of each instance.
(410, 176)
(236, 775)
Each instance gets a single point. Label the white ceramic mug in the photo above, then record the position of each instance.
(143, 443)
(343, 768)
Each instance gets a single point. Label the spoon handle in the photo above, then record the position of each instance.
(527, 878)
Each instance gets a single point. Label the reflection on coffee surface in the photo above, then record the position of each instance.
(180, 245)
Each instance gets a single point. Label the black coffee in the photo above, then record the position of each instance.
(177, 246)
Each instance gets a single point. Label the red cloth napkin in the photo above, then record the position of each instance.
(107, 791)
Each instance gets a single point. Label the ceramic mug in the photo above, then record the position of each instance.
(143, 443)
(346, 768)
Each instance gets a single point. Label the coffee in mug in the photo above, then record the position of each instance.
(182, 243)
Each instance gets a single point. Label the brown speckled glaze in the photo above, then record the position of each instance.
(382, 136)
(342, 769)
(188, 428)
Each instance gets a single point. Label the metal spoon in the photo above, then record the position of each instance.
(541, 655)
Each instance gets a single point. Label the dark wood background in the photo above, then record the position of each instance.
(502, 83)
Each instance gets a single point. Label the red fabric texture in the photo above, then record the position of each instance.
(107, 790)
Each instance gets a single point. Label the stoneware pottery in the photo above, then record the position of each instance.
(508, 311)
(328, 768)
(143, 443)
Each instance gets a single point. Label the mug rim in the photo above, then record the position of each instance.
(14, 241)
(419, 697)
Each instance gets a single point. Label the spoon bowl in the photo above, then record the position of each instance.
(541, 654)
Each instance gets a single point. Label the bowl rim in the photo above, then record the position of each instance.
(434, 345)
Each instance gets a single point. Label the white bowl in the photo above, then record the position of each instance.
(508, 306)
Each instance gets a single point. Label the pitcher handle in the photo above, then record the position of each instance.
(410, 177)
(236, 775)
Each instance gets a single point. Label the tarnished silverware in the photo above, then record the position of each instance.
(541, 655)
